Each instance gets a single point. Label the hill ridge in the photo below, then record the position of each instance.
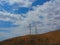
(46, 38)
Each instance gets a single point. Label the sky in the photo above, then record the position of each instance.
(16, 15)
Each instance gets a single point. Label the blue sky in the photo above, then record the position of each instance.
(15, 17)
(21, 10)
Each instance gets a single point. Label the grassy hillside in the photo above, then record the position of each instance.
(50, 38)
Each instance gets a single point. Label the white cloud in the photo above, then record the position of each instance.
(14, 18)
(50, 11)
(22, 3)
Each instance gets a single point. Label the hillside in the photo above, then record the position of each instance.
(0, 43)
(40, 39)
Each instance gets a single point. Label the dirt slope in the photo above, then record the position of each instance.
(40, 39)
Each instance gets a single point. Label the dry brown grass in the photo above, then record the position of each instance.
(50, 38)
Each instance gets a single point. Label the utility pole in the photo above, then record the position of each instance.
(30, 28)
(35, 28)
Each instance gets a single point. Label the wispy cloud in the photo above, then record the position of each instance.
(22, 3)
(5, 16)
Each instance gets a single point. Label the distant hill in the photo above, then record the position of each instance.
(50, 38)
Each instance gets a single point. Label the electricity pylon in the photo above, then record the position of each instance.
(35, 28)
(30, 28)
